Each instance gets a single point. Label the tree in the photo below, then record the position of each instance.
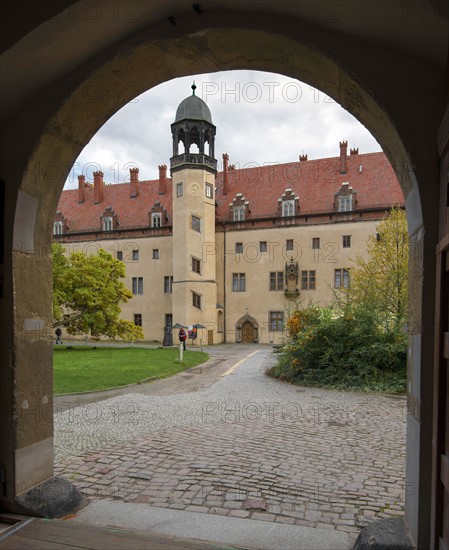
(87, 291)
(380, 283)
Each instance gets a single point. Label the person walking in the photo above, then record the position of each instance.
(182, 337)
(58, 333)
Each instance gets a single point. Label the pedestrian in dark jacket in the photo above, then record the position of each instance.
(58, 333)
(182, 337)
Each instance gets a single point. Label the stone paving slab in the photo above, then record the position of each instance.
(309, 457)
(241, 533)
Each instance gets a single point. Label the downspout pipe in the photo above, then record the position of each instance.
(224, 282)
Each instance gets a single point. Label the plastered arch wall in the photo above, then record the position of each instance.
(46, 137)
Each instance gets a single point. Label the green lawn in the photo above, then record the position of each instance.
(79, 369)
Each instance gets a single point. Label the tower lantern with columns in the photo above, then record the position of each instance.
(193, 126)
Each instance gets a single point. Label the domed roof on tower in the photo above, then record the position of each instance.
(193, 108)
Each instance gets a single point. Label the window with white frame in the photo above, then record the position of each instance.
(238, 213)
(341, 278)
(345, 203)
(156, 219)
(179, 190)
(107, 224)
(346, 241)
(135, 255)
(239, 248)
(288, 208)
(57, 228)
(209, 190)
(155, 253)
(238, 282)
(137, 285)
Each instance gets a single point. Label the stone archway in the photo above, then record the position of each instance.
(48, 133)
(247, 330)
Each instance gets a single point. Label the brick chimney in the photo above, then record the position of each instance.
(162, 179)
(81, 185)
(134, 182)
(225, 173)
(302, 158)
(343, 156)
(98, 187)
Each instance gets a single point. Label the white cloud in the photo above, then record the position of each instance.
(260, 118)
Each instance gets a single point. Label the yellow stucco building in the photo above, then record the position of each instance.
(230, 251)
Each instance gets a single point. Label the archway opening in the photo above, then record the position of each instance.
(268, 325)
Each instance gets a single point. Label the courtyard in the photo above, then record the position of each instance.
(224, 439)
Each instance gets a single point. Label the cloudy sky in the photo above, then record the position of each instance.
(261, 118)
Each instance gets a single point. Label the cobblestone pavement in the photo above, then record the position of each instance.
(245, 446)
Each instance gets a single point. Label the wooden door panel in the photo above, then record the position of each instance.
(247, 332)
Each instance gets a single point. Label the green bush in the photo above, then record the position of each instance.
(342, 350)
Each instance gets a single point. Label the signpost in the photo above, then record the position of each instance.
(181, 344)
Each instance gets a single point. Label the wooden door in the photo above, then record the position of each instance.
(248, 332)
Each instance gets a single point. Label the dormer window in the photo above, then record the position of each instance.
(239, 208)
(108, 220)
(288, 208)
(238, 213)
(288, 204)
(57, 228)
(345, 203)
(157, 216)
(345, 198)
(107, 223)
(156, 219)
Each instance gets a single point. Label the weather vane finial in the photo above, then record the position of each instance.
(193, 88)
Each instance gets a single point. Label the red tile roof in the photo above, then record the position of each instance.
(315, 182)
(131, 212)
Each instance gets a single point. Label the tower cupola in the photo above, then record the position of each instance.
(193, 127)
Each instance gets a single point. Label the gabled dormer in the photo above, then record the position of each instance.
(239, 208)
(345, 199)
(109, 220)
(59, 224)
(157, 215)
(288, 204)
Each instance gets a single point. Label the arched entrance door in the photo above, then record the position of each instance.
(247, 332)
